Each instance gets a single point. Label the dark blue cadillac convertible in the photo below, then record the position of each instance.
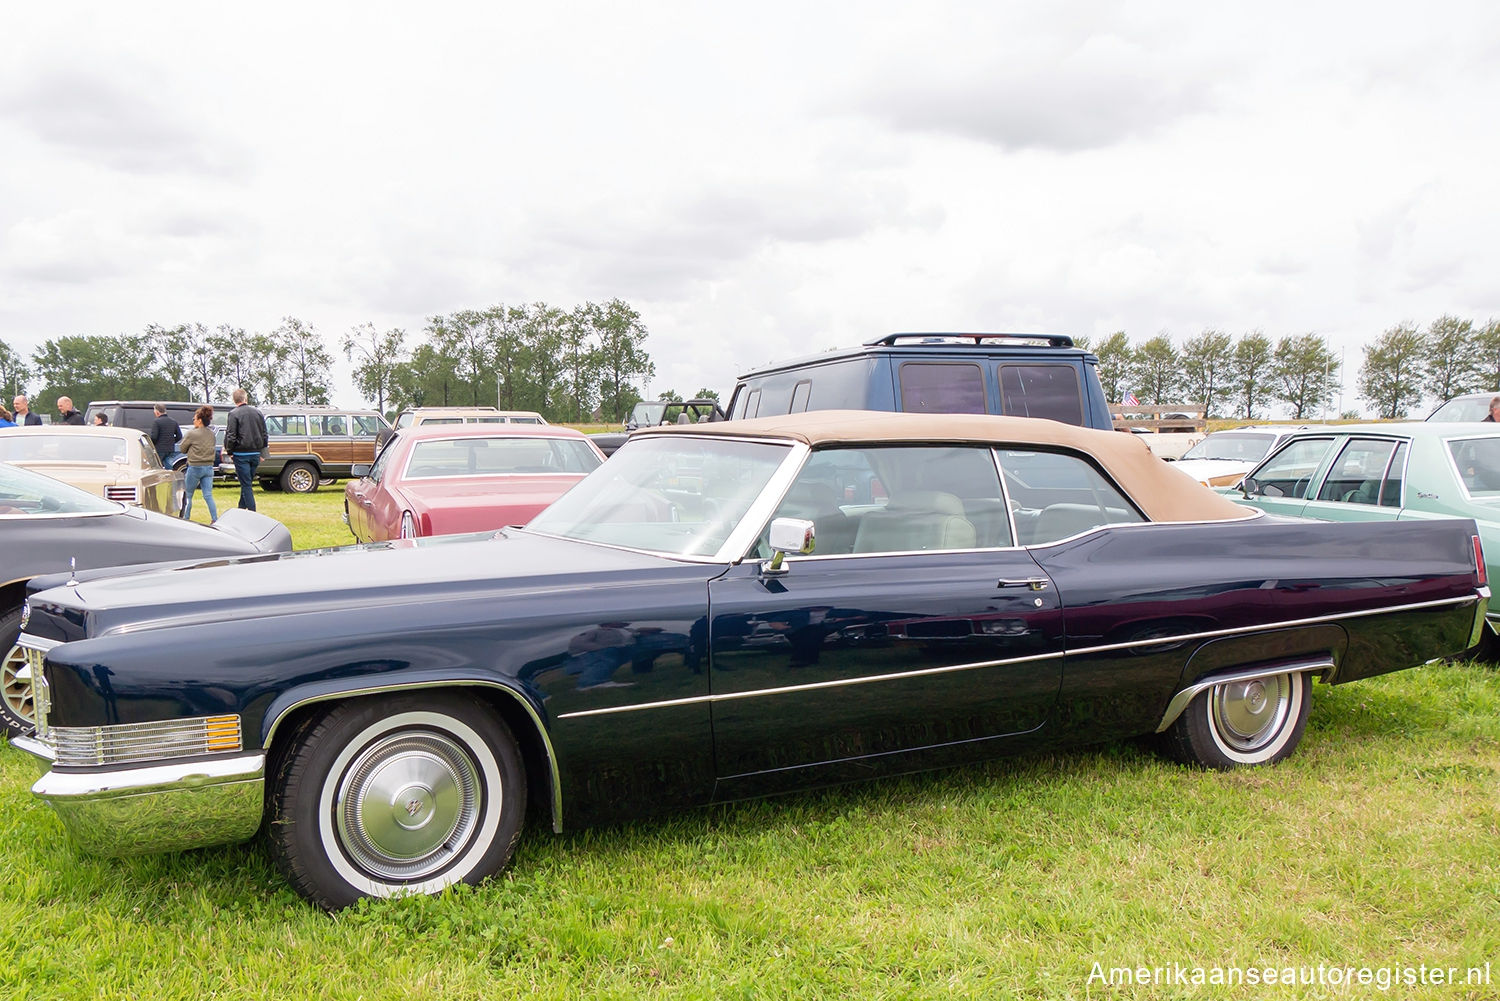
(720, 611)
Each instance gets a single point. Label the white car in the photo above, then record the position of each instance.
(1223, 458)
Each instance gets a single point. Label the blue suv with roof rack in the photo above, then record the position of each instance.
(1021, 375)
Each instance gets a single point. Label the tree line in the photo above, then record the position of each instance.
(1245, 376)
(567, 364)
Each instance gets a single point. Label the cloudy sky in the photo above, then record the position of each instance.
(761, 182)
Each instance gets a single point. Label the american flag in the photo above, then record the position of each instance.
(1130, 400)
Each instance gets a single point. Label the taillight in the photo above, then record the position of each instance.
(1479, 561)
(128, 495)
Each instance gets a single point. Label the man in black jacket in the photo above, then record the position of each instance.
(24, 417)
(244, 439)
(165, 434)
(69, 415)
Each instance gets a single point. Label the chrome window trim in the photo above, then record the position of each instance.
(1081, 652)
(536, 719)
(1452, 463)
(70, 514)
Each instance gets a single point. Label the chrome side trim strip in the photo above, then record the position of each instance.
(812, 686)
(1181, 700)
(978, 665)
(551, 753)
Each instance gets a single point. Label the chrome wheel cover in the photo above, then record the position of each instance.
(408, 805)
(1248, 715)
(301, 480)
(15, 692)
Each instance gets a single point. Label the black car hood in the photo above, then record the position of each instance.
(445, 568)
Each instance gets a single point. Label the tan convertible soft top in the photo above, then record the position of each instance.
(1161, 492)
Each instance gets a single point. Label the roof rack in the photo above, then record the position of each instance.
(977, 340)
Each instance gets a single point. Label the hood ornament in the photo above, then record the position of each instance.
(72, 572)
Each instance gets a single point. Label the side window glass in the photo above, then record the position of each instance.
(1390, 491)
(942, 388)
(899, 499)
(752, 404)
(1055, 495)
(336, 424)
(365, 426)
(800, 394)
(286, 425)
(1478, 462)
(1050, 391)
(1356, 475)
(1289, 472)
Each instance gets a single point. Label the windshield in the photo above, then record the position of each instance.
(1470, 408)
(499, 456)
(23, 492)
(35, 446)
(647, 414)
(1232, 445)
(676, 494)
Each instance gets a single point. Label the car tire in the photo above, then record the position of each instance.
(1240, 723)
(394, 795)
(16, 714)
(299, 478)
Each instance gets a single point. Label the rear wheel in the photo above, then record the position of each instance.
(299, 478)
(397, 795)
(16, 713)
(1238, 723)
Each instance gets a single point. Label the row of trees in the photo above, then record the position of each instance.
(570, 365)
(1245, 376)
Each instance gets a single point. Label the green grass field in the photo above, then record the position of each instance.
(1374, 846)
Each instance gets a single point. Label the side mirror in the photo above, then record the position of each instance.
(1249, 486)
(789, 535)
(359, 470)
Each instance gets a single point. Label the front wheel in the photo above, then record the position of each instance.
(397, 795)
(1238, 723)
(16, 713)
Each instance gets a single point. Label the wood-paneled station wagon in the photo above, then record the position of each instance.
(719, 611)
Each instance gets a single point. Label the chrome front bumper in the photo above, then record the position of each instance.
(158, 808)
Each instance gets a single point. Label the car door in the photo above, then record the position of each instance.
(1285, 481)
(1363, 482)
(915, 626)
(364, 492)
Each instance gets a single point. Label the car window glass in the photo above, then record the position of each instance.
(1357, 474)
(336, 424)
(1289, 472)
(149, 459)
(443, 420)
(36, 446)
(366, 427)
(1050, 391)
(383, 460)
(942, 388)
(1478, 462)
(1054, 495)
(1233, 446)
(404, 420)
(899, 499)
(1390, 491)
(498, 457)
(800, 395)
(752, 404)
(283, 424)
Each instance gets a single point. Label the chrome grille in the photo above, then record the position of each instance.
(41, 695)
(91, 746)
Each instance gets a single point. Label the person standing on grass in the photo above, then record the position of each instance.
(199, 446)
(244, 439)
(165, 434)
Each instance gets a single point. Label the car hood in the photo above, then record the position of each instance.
(368, 576)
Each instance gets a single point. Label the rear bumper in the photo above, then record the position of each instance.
(159, 808)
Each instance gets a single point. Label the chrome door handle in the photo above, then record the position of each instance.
(1034, 583)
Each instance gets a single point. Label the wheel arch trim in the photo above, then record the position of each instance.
(1311, 665)
(290, 702)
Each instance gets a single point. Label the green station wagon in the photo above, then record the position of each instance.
(1385, 472)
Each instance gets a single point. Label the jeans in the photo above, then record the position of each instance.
(200, 476)
(245, 465)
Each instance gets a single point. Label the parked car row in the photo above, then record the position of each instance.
(719, 611)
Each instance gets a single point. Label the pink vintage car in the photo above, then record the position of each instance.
(447, 479)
